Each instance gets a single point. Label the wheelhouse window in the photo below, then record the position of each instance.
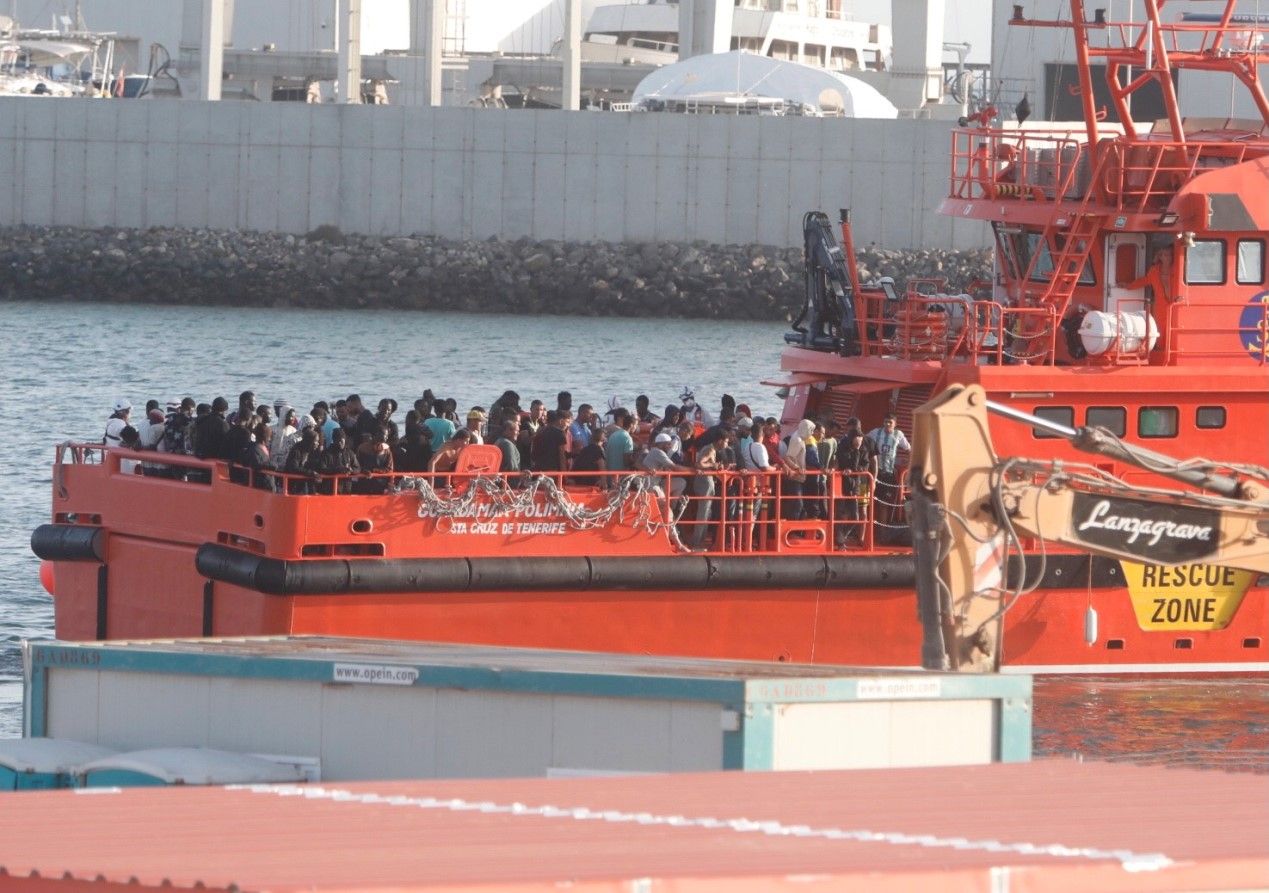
(1042, 266)
(1008, 255)
(1251, 262)
(1086, 275)
(1209, 417)
(1062, 415)
(1157, 421)
(1205, 262)
(1113, 418)
(1029, 245)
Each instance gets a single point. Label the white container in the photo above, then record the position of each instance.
(1099, 331)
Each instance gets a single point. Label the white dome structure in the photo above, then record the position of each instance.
(740, 82)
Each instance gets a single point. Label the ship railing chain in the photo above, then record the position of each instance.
(635, 493)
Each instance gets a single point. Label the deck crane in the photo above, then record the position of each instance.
(827, 320)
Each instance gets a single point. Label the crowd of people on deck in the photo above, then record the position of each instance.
(338, 447)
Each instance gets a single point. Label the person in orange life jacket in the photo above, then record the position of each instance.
(1156, 276)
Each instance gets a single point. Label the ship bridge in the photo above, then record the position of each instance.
(1128, 243)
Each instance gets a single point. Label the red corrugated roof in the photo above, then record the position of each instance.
(1051, 826)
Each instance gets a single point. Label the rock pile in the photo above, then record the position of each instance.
(327, 268)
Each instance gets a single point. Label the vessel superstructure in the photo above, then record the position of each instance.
(648, 33)
(1128, 293)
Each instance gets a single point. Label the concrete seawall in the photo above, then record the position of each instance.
(327, 268)
(472, 174)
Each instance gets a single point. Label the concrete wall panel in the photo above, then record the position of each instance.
(325, 126)
(641, 198)
(609, 198)
(447, 193)
(159, 193)
(581, 180)
(262, 173)
(460, 172)
(323, 187)
(292, 192)
(416, 191)
(742, 212)
(221, 185)
(103, 179)
(354, 190)
(71, 186)
(549, 186)
(35, 182)
(10, 196)
(489, 171)
(517, 194)
(386, 179)
(191, 184)
(709, 220)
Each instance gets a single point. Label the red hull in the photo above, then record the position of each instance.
(149, 586)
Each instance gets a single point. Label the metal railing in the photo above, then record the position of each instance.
(935, 327)
(1055, 165)
(1203, 332)
(1031, 164)
(724, 511)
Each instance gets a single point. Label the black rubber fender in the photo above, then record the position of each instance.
(69, 542)
(276, 576)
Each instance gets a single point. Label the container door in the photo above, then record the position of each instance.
(1125, 263)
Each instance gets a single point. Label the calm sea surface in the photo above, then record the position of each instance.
(63, 365)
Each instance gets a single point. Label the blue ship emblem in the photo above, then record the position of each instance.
(1252, 327)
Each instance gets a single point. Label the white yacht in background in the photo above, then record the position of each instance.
(53, 63)
(811, 32)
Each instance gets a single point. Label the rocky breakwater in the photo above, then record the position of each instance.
(327, 268)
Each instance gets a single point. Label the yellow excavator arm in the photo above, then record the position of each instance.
(970, 509)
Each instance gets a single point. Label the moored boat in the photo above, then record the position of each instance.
(1129, 293)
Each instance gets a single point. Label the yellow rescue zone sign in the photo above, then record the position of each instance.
(1188, 596)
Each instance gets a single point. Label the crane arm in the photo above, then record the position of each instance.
(827, 320)
(970, 509)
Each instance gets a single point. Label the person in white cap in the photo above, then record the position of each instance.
(117, 422)
(658, 460)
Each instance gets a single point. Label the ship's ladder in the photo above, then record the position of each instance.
(1082, 225)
